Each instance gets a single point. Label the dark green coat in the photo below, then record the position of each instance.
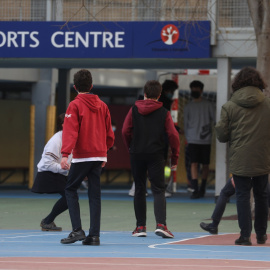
(245, 124)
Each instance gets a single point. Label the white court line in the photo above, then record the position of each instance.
(166, 246)
(139, 264)
(31, 235)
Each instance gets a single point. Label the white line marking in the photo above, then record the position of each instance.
(157, 246)
(31, 235)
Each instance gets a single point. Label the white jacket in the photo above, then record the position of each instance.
(51, 156)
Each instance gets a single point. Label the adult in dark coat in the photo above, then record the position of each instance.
(244, 123)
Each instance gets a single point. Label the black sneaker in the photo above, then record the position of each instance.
(74, 237)
(244, 241)
(140, 231)
(209, 227)
(91, 241)
(49, 227)
(261, 239)
(163, 231)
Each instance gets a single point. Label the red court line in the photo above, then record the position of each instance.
(128, 263)
(219, 240)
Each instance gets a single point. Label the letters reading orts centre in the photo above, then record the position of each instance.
(61, 39)
(165, 39)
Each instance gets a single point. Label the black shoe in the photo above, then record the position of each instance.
(49, 227)
(261, 239)
(74, 237)
(209, 227)
(91, 241)
(195, 195)
(244, 241)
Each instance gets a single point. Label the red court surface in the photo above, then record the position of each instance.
(128, 263)
(218, 240)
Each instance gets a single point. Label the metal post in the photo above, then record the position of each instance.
(223, 90)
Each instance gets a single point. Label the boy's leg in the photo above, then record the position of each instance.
(77, 173)
(139, 173)
(204, 159)
(188, 167)
(194, 159)
(156, 177)
(227, 191)
(94, 196)
(59, 207)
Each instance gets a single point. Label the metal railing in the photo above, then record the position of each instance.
(230, 13)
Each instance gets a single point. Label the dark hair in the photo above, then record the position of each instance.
(152, 89)
(60, 121)
(196, 84)
(169, 85)
(248, 76)
(83, 80)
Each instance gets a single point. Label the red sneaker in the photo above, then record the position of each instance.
(163, 231)
(140, 231)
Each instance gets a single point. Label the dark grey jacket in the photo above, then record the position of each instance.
(245, 124)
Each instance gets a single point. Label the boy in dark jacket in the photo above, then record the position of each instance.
(88, 135)
(144, 131)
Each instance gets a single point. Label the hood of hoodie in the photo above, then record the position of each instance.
(248, 97)
(147, 106)
(90, 100)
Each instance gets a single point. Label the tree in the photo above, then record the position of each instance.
(260, 14)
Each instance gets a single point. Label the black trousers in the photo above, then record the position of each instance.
(155, 171)
(243, 186)
(78, 171)
(227, 191)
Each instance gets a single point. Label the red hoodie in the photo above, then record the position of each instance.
(146, 107)
(87, 128)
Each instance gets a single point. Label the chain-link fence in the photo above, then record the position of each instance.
(231, 13)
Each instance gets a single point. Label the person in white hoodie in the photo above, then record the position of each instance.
(51, 178)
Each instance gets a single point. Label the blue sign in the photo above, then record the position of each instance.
(105, 39)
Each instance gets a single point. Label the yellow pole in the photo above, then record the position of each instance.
(50, 123)
(32, 146)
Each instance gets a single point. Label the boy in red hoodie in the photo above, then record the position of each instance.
(88, 134)
(144, 134)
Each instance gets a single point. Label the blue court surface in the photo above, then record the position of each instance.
(15, 243)
(34, 244)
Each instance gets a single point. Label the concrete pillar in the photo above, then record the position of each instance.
(42, 91)
(63, 90)
(223, 94)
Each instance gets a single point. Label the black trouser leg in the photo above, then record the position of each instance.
(94, 195)
(243, 186)
(59, 207)
(156, 177)
(78, 171)
(223, 198)
(261, 204)
(139, 172)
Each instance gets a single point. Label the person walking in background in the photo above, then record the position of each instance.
(51, 178)
(166, 97)
(143, 133)
(244, 123)
(199, 115)
(88, 135)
